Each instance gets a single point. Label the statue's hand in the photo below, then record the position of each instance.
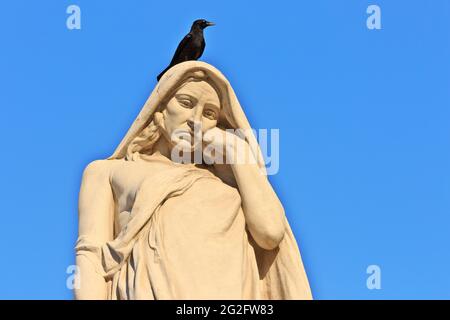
(223, 145)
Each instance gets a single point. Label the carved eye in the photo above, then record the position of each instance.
(185, 102)
(210, 114)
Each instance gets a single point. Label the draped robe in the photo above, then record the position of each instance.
(185, 237)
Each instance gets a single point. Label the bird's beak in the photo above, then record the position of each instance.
(209, 24)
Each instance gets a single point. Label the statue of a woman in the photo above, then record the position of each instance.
(154, 228)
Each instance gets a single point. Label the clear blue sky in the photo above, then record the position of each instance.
(364, 119)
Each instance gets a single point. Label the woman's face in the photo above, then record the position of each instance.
(194, 103)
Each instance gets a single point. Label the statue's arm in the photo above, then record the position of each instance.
(95, 210)
(264, 213)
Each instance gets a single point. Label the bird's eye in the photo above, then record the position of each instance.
(210, 114)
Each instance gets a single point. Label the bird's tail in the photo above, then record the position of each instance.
(162, 73)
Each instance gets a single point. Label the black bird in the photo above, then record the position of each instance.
(192, 45)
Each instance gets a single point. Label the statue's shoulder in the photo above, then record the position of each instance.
(101, 167)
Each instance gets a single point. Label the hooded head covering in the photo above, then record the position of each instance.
(231, 114)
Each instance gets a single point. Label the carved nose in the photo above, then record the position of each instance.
(194, 125)
(190, 123)
(196, 117)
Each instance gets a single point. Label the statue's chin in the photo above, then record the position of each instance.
(182, 145)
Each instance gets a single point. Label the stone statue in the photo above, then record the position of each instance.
(154, 228)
